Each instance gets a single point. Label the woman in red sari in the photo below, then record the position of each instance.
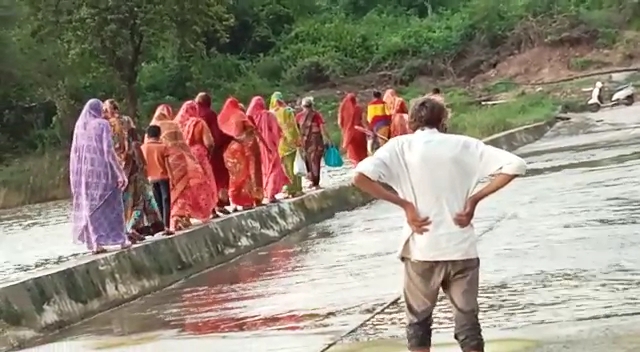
(216, 156)
(273, 176)
(241, 157)
(198, 137)
(186, 176)
(397, 108)
(354, 142)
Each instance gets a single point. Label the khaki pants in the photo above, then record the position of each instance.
(459, 281)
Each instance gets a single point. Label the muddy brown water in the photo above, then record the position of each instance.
(562, 263)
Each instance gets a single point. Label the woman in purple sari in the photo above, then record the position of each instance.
(97, 181)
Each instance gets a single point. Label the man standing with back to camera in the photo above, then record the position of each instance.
(434, 175)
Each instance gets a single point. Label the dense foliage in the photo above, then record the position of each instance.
(58, 53)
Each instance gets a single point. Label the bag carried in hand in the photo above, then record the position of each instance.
(332, 157)
(299, 166)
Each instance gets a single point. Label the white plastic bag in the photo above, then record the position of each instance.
(299, 167)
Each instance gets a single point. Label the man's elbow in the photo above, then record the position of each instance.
(359, 179)
(516, 168)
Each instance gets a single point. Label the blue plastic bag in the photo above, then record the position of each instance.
(332, 157)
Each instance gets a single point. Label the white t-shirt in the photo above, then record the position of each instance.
(438, 172)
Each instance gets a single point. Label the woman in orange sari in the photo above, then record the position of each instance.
(200, 142)
(397, 108)
(354, 142)
(274, 177)
(185, 174)
(241, 157)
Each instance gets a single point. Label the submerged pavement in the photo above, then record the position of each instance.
(38, 237)
(560, 265)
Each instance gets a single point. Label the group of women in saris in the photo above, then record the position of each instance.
(142, 216)
(216, 163)
(355, 128)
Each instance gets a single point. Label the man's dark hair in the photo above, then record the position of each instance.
(153, 131)
(427, 112)
(436, 90)
(377, 94)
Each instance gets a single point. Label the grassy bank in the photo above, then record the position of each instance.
(44, 177)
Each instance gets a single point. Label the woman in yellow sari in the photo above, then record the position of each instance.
(289, 143)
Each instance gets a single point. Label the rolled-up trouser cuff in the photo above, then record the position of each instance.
(419, 334)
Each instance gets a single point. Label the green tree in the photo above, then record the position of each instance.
(114, 38)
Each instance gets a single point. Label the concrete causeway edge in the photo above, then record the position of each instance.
(71, 293)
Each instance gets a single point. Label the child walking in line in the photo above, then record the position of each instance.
(155, 153)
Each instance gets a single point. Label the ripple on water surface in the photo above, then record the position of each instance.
(565, 251)
(38, 236)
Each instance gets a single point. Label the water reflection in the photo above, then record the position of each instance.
(564, 256)
(218, 305)
(38, 236)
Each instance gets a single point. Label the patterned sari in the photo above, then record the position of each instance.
(145, 218)
(97, 210)
(310, 122)
(354, 142)
(185, 174)
(216, 156)
(198, 137)
(379, 122)
(397, 109)
(137, 197)
(274, 177)
(242, 156)
(289, 142)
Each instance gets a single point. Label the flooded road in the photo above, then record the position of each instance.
(562, 261)
(37, 237)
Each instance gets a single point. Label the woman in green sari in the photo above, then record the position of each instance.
(289, 143)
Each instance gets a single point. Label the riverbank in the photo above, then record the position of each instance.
(44, 177)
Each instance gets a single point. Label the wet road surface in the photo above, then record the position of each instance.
(38, 237)
(562, 263)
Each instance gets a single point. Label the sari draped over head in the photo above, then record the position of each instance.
(276, 100)
(242, 156)
(354, 142)
(97, 212)
(274, 178)
(221, 141)
(141, 212)
(199, 139)
(389, 99)
(289, 142)
(185, 174)
(379, 121)
(399, 118)
(311, 123)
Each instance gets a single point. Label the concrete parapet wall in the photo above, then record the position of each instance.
(82, 288)
(518, 137)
